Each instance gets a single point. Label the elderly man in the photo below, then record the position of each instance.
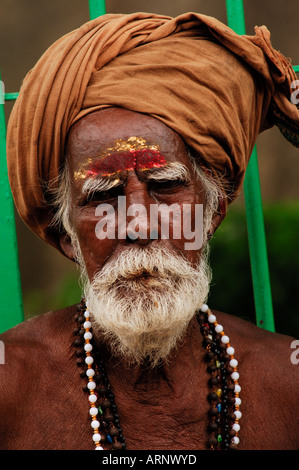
(120, 121)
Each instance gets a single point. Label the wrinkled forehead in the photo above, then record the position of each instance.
(113, 140)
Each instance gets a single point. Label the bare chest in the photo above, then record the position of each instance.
(65, 423)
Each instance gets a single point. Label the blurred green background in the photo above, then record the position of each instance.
(231, 289)
(49, 281)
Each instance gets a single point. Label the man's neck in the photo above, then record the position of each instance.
(185, 357)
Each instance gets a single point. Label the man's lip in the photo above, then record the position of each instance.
(145, 279)
(140, 275)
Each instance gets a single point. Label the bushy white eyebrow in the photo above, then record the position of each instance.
(99, 184)
(170, 172)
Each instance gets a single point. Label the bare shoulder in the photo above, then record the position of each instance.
(30, 345)
(271, 352)
(254, 340)
(268, 364)
(37, 330)
(38, 359)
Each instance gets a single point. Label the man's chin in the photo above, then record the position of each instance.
(145, 349)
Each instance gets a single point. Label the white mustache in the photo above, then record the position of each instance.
(152, 262)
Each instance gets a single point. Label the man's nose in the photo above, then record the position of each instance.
(138, 203)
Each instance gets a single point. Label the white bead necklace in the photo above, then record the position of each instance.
(91, 385)
(90, 372)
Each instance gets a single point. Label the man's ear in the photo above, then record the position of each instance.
(218, 217)
(67, 246)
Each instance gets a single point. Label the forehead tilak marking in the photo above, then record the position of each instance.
(133, 153)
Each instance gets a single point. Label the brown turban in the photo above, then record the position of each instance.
(216, 89)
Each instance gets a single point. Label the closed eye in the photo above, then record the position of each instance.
(166, 185)
(100, 196)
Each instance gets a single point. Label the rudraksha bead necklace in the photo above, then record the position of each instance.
(102, 408)
(224, 413)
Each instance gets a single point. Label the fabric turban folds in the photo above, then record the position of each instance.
(216, 89)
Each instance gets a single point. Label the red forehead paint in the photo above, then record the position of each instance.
(141, 160)
(125, 155)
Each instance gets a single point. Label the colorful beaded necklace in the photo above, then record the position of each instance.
(224, 389)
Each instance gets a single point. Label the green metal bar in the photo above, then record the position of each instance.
(235, 16)
(254, 209)
(10, 96)
(96, 8)
(10, 285)
(296, 68)
(258, 246)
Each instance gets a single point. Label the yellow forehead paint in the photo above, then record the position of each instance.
(133, 153)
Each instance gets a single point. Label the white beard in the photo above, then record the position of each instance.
(143, 319)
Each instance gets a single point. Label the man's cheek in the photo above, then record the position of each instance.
(105, 228)
(193, 226)
(94, 248)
